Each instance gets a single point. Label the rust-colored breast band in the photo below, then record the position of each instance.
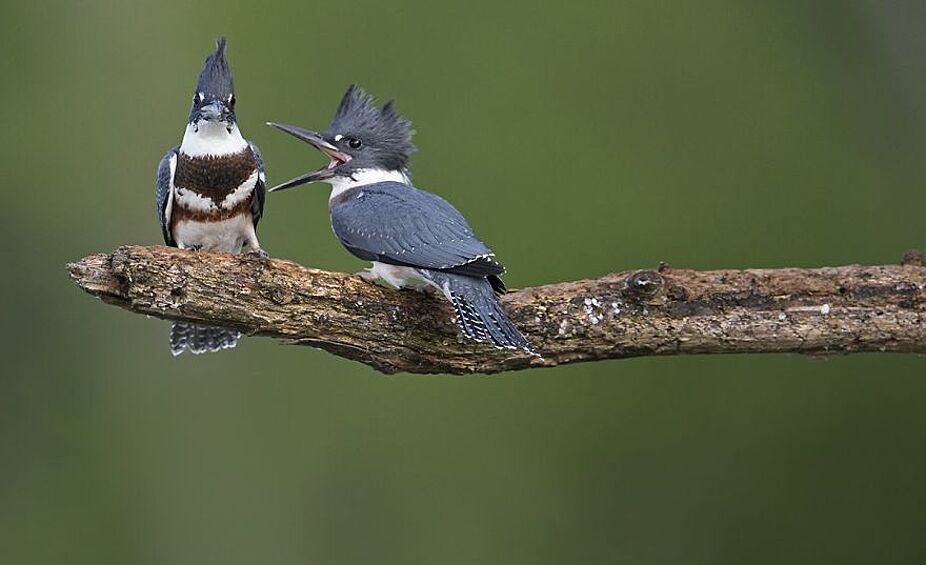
(214, 177)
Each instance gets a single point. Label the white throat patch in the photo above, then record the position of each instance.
(211, 138)
(364, 177)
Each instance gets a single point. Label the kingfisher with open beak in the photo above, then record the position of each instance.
(413, 238)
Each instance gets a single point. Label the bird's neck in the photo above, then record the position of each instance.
(364, 177)
(214, 139)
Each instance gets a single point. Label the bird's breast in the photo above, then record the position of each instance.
(191, 207)
(218, 182)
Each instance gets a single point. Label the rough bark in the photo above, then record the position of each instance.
(663, 311)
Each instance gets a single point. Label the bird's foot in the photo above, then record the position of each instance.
(195, 247)
(258, 253)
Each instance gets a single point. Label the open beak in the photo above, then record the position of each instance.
(316, 140)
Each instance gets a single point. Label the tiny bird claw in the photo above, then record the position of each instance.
(258, 254)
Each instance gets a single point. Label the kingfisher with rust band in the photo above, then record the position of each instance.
(211, 190)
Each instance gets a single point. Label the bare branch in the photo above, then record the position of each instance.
(665, 311)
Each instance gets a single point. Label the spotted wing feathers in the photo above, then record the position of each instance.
(260, 189)
(164, 199)
(398, 224)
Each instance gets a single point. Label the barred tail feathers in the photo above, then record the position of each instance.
(478, 311)
(201, 339)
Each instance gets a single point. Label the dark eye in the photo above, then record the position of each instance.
(231, 100)
(354, 143)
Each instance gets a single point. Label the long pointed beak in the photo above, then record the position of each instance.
(316, 140)
(309, 136)
(301, 179)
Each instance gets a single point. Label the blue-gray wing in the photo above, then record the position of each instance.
(260, 189)
(398, 224)
(164, 199)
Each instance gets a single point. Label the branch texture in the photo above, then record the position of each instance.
(664, 311)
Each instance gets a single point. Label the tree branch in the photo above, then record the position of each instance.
(665, 311)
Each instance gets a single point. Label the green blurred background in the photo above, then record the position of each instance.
(579, 139)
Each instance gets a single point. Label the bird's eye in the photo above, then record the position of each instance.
(198, 97)
(231, 99)
(354, 143)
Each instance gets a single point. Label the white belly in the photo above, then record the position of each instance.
(227, 235)
(399, 277)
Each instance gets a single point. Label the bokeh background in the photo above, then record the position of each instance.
(579, 138)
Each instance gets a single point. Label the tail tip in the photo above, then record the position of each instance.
(523, 346)
(531, 351)
(201, 339)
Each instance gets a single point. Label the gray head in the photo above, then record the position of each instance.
(214, 98)
(360, 136)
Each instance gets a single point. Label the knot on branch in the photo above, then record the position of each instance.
(645, 284)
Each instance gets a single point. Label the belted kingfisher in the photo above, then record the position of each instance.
(211, 189)
(414, 238)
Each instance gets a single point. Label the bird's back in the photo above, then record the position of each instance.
(396, 223)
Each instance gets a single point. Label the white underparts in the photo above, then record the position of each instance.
(364, 177)
(226, 235)
(398, 276)
(212, 138)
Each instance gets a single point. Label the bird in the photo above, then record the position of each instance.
(211, 190)
(414, 238)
